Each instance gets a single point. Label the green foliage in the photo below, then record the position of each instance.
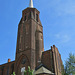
(70, 65)
(29, 71)
(62, 67)
(25, 72)
(13, 73)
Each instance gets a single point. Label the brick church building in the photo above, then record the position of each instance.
(30, 48)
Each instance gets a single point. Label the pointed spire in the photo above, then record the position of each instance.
(31, 4)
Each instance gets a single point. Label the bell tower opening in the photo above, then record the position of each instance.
(25, 18)
(37, 17)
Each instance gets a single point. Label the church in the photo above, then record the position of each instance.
(30, 48)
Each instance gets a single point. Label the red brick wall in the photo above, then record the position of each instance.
(52, 60)
(47, 60)
(29, 39)
(5, 68)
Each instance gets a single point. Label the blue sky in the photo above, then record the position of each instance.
(58, 20)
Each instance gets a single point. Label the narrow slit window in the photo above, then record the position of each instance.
(29, 15)
(25, 18)
(37, 17)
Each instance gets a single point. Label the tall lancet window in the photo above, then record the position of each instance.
(25, 18)
(20, 42)
(29, 15)
(22, 70)
(27, 36)
(20, 38)
(37, 17)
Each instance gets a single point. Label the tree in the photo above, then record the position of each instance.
(30, 72)
(62, 69)
(70, 65)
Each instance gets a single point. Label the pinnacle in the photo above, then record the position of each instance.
(31, 4)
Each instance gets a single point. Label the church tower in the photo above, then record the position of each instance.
(29, 40)
(30, 48)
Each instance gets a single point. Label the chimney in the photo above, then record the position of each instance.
(9, 60)
(53, 45)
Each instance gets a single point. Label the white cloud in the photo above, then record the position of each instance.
(61, 7)
(62, 38)
(57, 36)
(65, 7)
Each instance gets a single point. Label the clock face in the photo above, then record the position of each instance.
(23, 61)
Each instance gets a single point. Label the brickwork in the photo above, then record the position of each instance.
(57, 60)
(47, 60)
(52, 60)
(7, 68)
(30, 48)
(30, 39)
